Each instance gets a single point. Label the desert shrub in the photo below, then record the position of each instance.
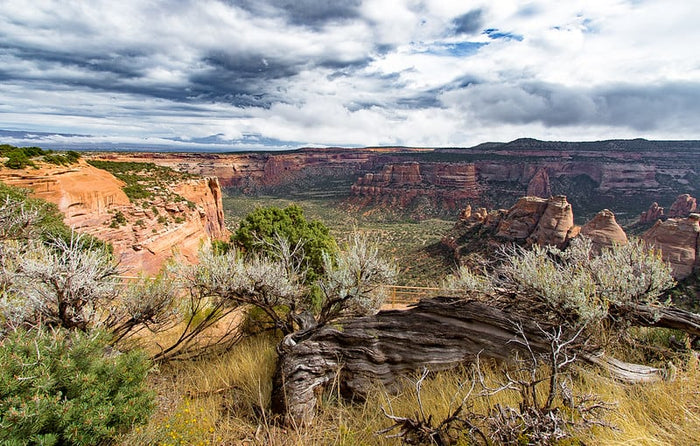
(19, 157)
(577, 286)
(65, 388)
(58, 283)
(118, 219)
(62, 159)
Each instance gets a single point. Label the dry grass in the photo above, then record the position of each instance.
(224, 400)
(663, 413)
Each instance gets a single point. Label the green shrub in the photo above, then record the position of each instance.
(65, 389)
(256, 233)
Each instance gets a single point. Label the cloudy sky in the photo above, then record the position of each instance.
(227, 74)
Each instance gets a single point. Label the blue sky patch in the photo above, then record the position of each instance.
(494, 33)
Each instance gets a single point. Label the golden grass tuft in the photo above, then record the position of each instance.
(225, 400)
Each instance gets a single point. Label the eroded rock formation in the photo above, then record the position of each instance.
(534, 220)
(677, 238)
(616, 174)
(439, 185)
(539, 185)
(147, 233)
(652, 214)
(83, 193)
(538, 221)
(604, 231)
(531, 220)
(683, 206)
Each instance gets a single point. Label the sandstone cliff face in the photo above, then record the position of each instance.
(539, 185)
(83, 193)
(206, 194)
(155, 229)
(439, 186)
(604, 231)
(677, 238)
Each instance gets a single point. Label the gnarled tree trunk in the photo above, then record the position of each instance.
(437, 333)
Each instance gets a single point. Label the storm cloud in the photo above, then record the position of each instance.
(277, 74)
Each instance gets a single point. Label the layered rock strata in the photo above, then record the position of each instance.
(618, 174)
(145, 234)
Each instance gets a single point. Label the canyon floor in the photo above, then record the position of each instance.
(414, 246)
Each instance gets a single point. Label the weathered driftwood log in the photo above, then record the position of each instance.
(666, 317)
(437, 333)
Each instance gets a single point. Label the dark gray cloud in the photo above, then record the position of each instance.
(242, 80)
(640, 107)
(126, 64)
(352, 72)
(469, 23)
(303, 12)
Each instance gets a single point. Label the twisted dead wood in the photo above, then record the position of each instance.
(438, 333)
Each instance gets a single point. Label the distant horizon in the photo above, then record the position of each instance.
(232, 75)
(34, 139)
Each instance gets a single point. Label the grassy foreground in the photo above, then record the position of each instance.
(226, 401)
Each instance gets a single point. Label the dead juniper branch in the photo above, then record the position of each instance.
(547, 413)
(420, 430)
(545, 423)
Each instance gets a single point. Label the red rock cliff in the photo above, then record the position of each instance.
(155, 229)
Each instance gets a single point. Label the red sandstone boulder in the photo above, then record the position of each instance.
(604, 231)
(556, 225)
(683, 206)
(521, 219)
(652, 214)
(677, 238)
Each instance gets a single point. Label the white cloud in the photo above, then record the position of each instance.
(384, 72)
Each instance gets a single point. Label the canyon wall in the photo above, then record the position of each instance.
(147, 233)
(622, 175)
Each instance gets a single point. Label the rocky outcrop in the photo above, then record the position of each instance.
(538, 221)
(532, 220)
(521, 220)
(683, 206)
(655, 212)
(147, 233)
(556, 225)
(539, 185)
(604, 231)
(677, 238)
